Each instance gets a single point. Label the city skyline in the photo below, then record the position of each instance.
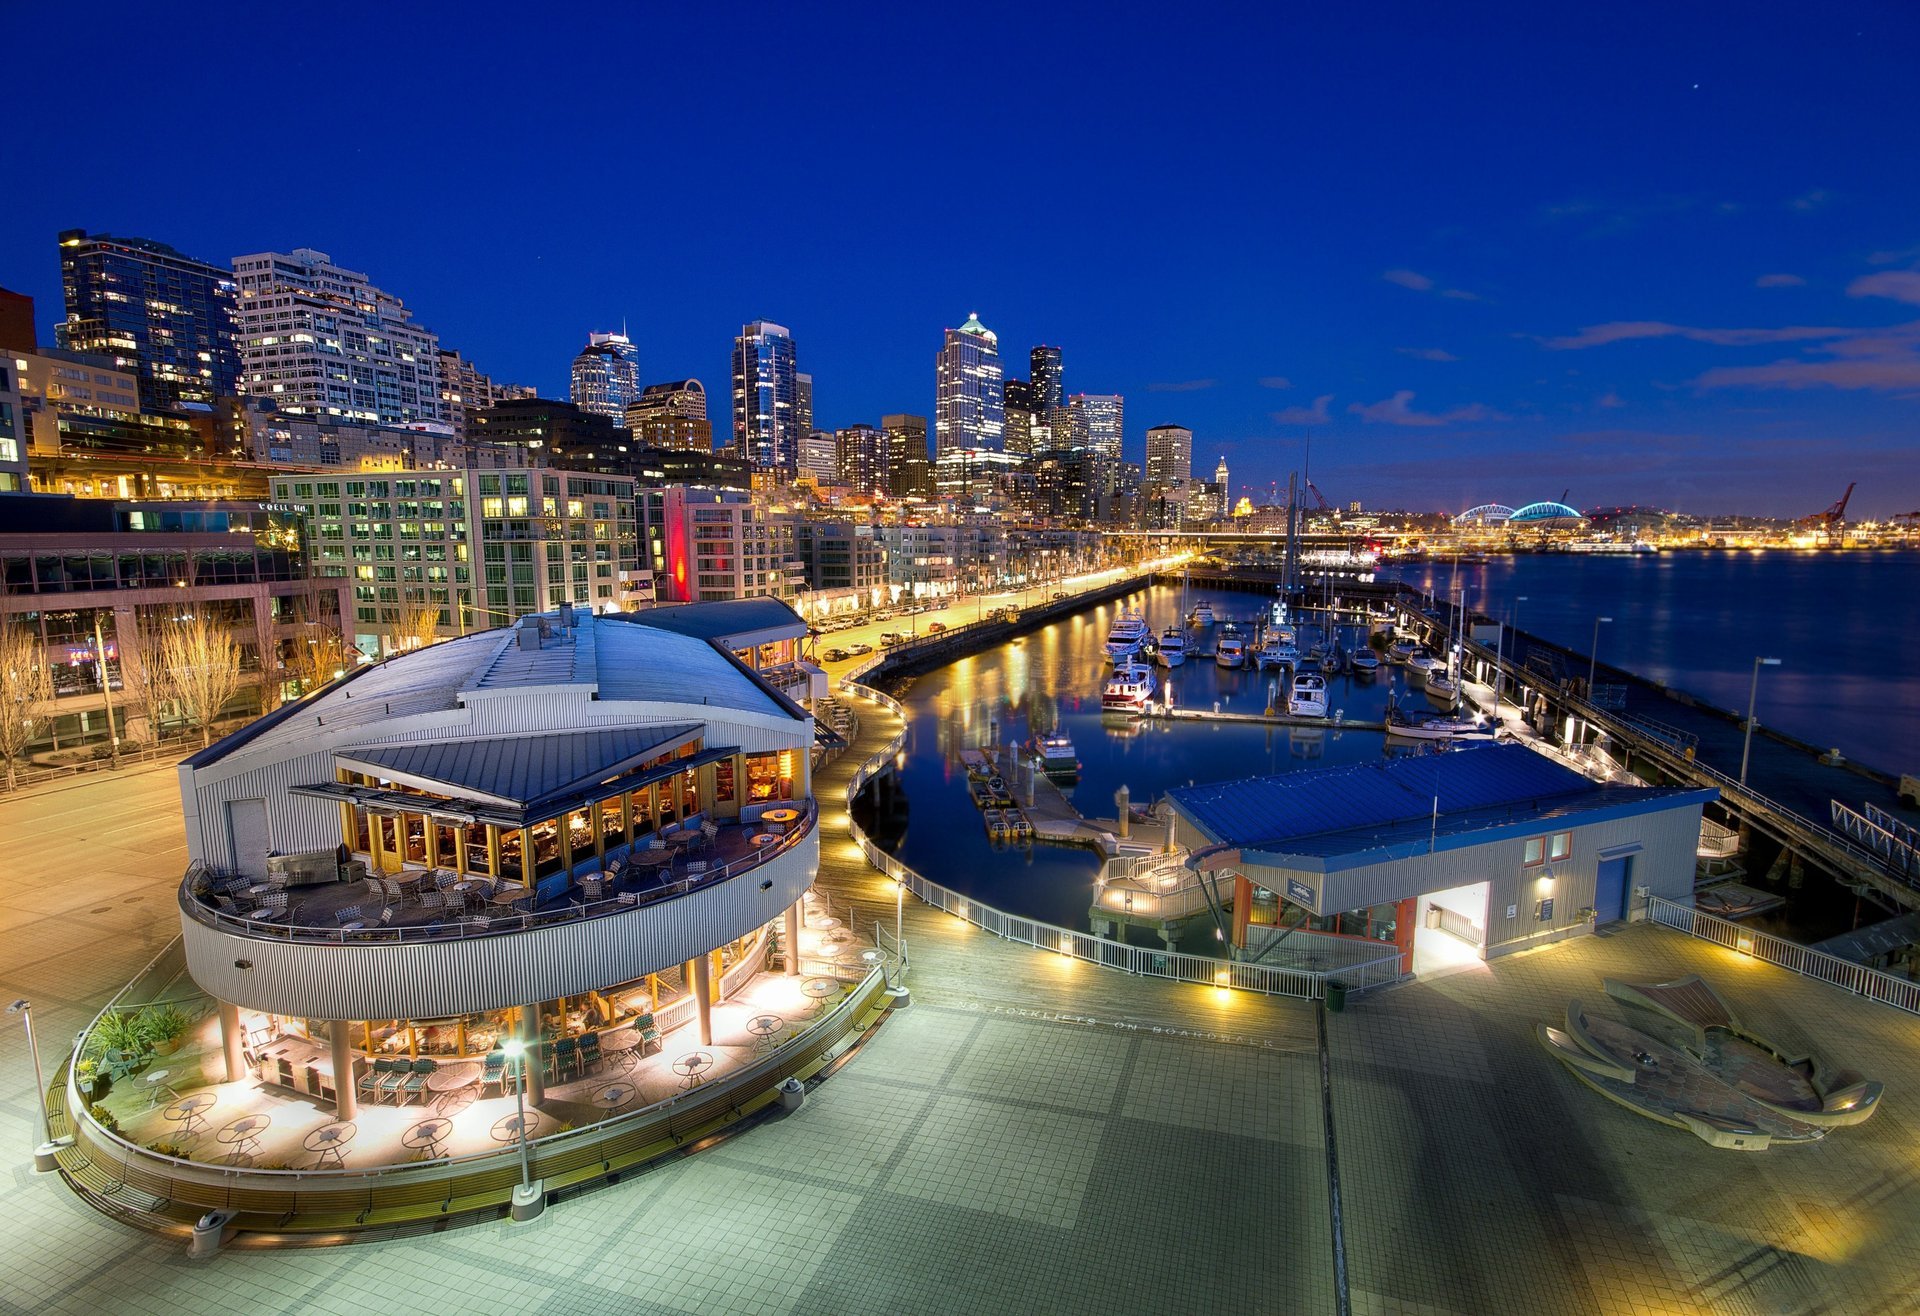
(1692, 299)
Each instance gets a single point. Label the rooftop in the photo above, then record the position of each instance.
(1357, 811)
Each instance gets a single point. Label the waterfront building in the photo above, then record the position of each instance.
(969, 407)
(840, 557)
(672, 414)
(163, 316)
(1066, 483)
(318, 339)
(97, 580)
(708, 545)
(1169, 457)
(860, 459)
(766, 418)
(606, 376)
(909, 472)
(1044, 368)
(1471, 854)
(86, 394)
(1023, 415)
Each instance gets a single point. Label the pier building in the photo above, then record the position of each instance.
(1464, 855)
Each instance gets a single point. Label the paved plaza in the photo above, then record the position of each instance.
(1036, 1134)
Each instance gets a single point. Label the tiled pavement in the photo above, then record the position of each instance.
(979, 1154)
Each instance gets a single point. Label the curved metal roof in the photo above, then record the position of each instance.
(1485, 514)
(1547, 512)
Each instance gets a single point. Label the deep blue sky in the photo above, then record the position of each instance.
(1657, 253)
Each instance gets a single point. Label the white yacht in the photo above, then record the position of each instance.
(1202, 614)
(1422, 659)
(1173, 647)
(1403, 649)
(1417, 726)
(1443, 685)
(1231, 652)
(1127, 635)
(1364, 661)
(1308, 695)
(1279, 649)
(1056, 756)
(1130, 688)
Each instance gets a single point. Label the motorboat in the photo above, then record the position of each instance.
(1308, 695)
(1443, 685)
(1422, 659)
(1202, 614)
(1278, 650)
(1055, 755)
(1129, 690)
(1419, 726)
(1127, 635)
(1364, 661)
(1403, 649)
(1230, 652)
(1173, 647)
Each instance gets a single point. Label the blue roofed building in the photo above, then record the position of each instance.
(1471, 854)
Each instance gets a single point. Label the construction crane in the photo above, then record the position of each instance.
(1318, 497)
(1834, 517)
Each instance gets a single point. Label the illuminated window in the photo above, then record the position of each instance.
(1560, 845)
(1536, 851)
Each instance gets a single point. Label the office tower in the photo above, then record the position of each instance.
(819, 456)
(320, 340)
(1044, 370)
(606, 376)
(802, 403)
(672, 415)
(909, 473)
(969, 409)
(860, 452)
(1023, 416)
(1226, 488)
(765, 398)
(165, 316)
(548, 432)
(1169, 456)
(16, 322)
(1098, 422)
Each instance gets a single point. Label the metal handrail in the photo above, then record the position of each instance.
(457, 928)
(1873, 984)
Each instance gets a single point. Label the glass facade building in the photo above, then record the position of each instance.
(766, 398)
(606, 377)
(969, 406)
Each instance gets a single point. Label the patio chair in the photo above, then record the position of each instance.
(590, 888)
(413, 1085)
(710, 830)
(657, 842)
(590, 1053)
(647, 1031)
(347, 914)
(696, 868)
(494, 1072)
(615, 867)
(395, 1078)
(433, 900)
(375, 889)
(628, 897)
(373, 1080)
(391, 889)
(566, 1059)
(443, 879)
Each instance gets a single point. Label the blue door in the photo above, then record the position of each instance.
(1610, 890)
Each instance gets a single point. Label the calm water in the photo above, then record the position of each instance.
(1846, 625)
(1052, 678)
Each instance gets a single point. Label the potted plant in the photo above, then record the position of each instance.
(162, 1027)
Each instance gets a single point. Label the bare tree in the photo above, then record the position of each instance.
(144, 684)
(202, 663)
(315, 656)
(26, 690)
(419, 625)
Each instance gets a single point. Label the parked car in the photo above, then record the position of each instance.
(1058, 595)
(836, 656)
(934, 628)
(891, 638)
(859, 650)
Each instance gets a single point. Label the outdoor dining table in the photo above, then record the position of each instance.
(614, 1095)
(328, 1140)
(243, 1134)
(692, 1066)
(508, 1127)
(820, 989)
(622, 1043)
(762, 838)
(156, 1083)
(451, 1078)
(781, 816)
(765, 1028)
(427, 1135)
(189, 1111)
(507, 895)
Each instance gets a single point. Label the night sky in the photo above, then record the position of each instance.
(1666, 254)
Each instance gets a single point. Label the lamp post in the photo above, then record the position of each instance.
(1504, 654)
(106, 687)
(899, 914)
(1593, 653)
(43, 1143)
(527, 1200)
(1753, 696)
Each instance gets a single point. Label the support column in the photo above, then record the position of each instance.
(535, 1059)
(230, 1040)
(346, 1083)
(793, 940)
(1242, 909)
(699, 971)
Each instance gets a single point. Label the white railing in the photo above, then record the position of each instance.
(1199, 969)
(1873, 984)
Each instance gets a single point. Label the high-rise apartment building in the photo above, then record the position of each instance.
(1044, 369)
(909, 470)
(672, 414)
(1023, 416)
(466, 391)
(1169, 457)
(803, 403)
(819, 457)
(708, 545)
(766, 398)
(164, 316)
(860, 453)
(606, 376)
(13, 430)
(969, 406)
(321, 340)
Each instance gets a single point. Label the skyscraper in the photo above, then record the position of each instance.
(1023, 415)
(672, 414)
(909, 473)
(819, 456)
(861, 453)
(165, 316)
(969, 409)
(1169, 457)
(1226, 487)
(465, 391)
(319, 340)
(1044, 370)
(765, 396)
(606, 376)
(802, 403)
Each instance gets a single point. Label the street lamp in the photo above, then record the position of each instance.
(1593, 653)
(899, 916)
(1753, 695)
(527, 1201)
(43, 1144)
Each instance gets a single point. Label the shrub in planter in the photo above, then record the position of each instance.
(162, 1027)
(165, 1148)
(104, 1118)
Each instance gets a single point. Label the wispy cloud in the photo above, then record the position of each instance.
(1409, 279)
(1893, 257)
(1609, 401)
(1813, 200)
(1901, 285)
(1427, 353)
(1600, 218)
(1182, 386)
(1275, 381)
(1316, 414)
(1779, 281)
(1621, 331)
(1398, 410)
(1867, 360)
